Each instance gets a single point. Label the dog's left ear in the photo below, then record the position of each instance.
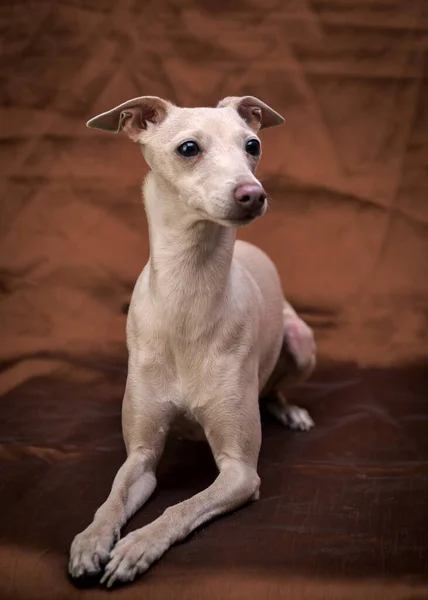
(132, 116)
(255, 113)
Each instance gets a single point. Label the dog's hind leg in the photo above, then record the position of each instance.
(295, 364)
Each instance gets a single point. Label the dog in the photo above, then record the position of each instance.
(208, 330)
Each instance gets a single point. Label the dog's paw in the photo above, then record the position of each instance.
(291, 416)
(297, 418)
(133, 555)
(90, 550)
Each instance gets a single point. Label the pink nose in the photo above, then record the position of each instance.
(250, 195)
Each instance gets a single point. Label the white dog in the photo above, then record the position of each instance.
(208, 331)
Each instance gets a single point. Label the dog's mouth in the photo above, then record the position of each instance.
(235, 221)
(242, 220)
(245, 218)
(239, 216)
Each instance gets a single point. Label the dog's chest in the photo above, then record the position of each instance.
(190, 369)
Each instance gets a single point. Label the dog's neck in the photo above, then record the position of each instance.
(190, 260)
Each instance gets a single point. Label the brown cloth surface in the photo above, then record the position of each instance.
(343, 508)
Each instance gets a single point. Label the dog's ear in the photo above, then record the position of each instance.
(255, 113)
(132, 116)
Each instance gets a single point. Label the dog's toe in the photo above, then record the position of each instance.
(89, 551)
(290, 415)
(132, 556)
(298, 418)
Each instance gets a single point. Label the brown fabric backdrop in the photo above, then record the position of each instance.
(347, 228)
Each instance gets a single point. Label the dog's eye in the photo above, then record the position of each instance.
(253, 148)
(188, 149)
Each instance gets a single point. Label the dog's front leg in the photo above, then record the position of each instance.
(145, 424)
(233, 431)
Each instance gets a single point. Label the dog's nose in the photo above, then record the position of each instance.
(250, 195)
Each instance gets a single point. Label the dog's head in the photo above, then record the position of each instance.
(207, 156)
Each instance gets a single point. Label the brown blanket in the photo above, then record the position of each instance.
(343, 509)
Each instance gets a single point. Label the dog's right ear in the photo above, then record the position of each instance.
(133, 116)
